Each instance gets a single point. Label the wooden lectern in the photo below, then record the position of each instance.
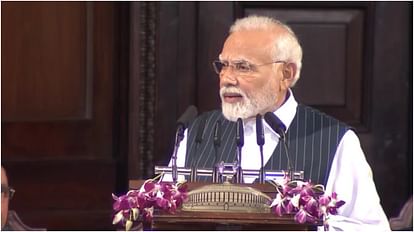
(184, 220)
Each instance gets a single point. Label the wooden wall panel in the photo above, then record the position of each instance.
(41, 43)
(61, 111)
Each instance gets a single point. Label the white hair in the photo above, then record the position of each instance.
(286, 45)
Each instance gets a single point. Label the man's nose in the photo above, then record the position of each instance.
(228, 77)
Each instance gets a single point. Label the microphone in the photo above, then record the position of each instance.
(275, 123)
(198, 140)
(200, 130)
(216, 143)
(260, 141)
(239, 143)
(217, 134)
(239, 133)
(189, 114)
(182, 123)
(279, 127)
(259, 130)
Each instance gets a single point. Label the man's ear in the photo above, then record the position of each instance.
(289, 72)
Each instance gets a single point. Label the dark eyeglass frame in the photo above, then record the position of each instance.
(8, 191)
(241, 66)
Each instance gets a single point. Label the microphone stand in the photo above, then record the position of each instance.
(182, 123)
(216, 143)
(239, 169)
(261, 171)
(280, 128)
(260, 141)
(290, 171)
(179, 136)
(282, 138)
(239, 143)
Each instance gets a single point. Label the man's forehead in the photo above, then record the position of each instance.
(246, 46)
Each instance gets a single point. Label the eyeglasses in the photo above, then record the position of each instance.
(241, 67)
(7, 191)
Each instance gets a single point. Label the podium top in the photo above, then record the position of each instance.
(266, 188)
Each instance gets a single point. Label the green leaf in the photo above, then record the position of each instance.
(292, 184)
(319, 189)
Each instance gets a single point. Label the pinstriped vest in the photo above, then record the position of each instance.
(312, 139)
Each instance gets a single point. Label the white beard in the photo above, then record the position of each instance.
(251, 104)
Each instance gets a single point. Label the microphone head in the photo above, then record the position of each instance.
(217, 135)
(189, 114)
(200, 129)
(275, 123)
(239, 133)
(259, 130)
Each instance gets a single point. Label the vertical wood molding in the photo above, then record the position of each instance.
(142, 89)
(147, 86)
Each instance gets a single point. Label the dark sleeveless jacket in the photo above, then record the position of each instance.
(312, 139)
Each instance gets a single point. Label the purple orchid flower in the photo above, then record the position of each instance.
(138, 205)
(307, 201)
(301, 216)
(278, 205)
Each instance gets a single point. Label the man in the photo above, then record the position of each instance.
(259, 63)
(6, 195)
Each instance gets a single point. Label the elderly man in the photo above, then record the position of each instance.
(259, 63)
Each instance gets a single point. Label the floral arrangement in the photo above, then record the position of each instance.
(138, 205)
(307, 201)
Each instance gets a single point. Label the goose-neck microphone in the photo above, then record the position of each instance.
(260, 141)
(279, 127)
(182, 123)
(239, 143)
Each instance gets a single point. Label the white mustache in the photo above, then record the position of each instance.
(233, 90)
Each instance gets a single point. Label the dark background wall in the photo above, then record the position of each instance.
(91, 91)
